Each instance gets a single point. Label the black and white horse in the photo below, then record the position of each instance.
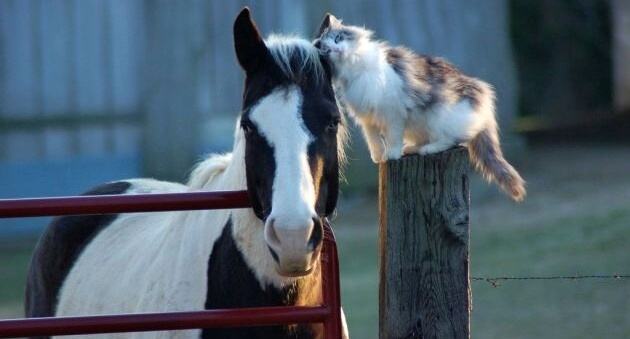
(287, 150)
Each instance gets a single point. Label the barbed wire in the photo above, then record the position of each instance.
(495, 281)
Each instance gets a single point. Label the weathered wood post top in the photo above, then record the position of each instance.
(424, 289)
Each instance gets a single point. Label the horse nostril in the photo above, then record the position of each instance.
(271, 235)
(316, 235)
(318, 43)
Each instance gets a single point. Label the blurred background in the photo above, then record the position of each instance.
(93, 90)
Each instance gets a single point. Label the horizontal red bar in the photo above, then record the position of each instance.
(105, 204)
(243, 317)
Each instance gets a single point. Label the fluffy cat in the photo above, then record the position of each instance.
(407, 103)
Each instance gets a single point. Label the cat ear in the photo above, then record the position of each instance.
(333, 20)
(250, 47)
(325, 24)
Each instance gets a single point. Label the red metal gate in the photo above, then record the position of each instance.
(329, 313)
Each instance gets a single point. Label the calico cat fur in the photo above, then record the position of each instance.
(407, 103)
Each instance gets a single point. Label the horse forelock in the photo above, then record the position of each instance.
(297, 58)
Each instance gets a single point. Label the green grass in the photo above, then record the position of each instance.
(554, 309)
(14, 258)
(359, 278)
(515, 309)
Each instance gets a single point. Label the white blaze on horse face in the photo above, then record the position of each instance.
(290, 223)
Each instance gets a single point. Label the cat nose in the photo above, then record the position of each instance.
(325, 50)
(322, 47)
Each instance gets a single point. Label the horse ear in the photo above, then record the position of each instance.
(248, 43)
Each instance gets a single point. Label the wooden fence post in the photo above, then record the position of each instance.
(424, 289)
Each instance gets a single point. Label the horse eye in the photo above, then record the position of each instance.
(338, 38)
(247, 127)
(332, 125)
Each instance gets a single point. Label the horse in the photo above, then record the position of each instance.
(288, 146)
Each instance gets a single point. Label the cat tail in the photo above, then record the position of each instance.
(487, 157)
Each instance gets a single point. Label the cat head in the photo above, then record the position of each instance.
(340, 42)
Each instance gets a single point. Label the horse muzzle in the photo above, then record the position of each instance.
(296, 248)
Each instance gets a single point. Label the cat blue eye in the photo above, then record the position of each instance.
(338, 38)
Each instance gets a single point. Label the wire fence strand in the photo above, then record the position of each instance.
(496, 281)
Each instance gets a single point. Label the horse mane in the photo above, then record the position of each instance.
(296, 57)
(207, 170)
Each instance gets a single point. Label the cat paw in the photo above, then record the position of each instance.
(376, 157)
(411, 149)
(433, 148)
(424, 150)
(392, 155)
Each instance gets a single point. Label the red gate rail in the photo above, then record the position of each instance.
(259, 316)
(104, 204)
(329, 313)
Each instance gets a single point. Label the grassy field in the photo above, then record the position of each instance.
(14, 258)
(576, 220)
